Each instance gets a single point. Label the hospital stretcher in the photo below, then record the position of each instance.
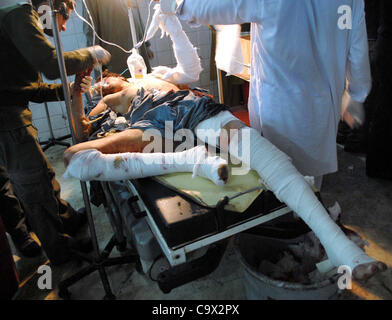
(182, 226)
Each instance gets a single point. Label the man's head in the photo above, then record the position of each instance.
(65, 8)
(110, 83)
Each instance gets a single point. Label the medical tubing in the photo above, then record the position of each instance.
(146, 28)
(93, 28)
(96, 34)
(91, 19)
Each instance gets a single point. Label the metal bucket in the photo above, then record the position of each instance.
(251, 250)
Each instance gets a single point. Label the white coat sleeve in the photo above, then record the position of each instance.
(358, 68)
(220, 11)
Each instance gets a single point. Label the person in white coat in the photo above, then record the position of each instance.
(304, 55)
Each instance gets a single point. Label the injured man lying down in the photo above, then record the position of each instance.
(136, 115)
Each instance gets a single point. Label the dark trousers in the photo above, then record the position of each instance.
(34, 183)
(11, 211)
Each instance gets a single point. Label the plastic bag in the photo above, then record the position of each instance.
(136, 65)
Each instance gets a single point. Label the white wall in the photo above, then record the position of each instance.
(74, 38)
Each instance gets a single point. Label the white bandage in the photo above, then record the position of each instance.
(211, 128)
(290, 187)
(188, 62)
(91, 164)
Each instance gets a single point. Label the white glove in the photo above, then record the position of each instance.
(168, 6)
(170, 25)
(353, 112)
(99, 54)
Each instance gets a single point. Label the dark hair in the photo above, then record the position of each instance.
(107, 74)
(69, 3)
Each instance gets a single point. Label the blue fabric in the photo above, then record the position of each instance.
(150, 110)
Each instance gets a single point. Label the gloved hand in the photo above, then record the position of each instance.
(99, 54)
(170, 25)
(353, 112)
(167, 22)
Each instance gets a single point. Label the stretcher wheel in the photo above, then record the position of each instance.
(165, 288)
(159, 266)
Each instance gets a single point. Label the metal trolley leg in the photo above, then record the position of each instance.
(99, 260)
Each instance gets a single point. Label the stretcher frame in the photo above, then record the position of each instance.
(176, 256)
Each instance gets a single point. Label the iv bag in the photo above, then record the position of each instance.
(136, 65)
(228, 55)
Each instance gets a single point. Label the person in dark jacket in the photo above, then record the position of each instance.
(25, 54)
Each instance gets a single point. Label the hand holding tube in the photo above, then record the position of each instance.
(84, 85)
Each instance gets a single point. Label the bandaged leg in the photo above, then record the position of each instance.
(289, 186)
(93, 165)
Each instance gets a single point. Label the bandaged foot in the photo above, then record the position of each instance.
(290, 187)
(210, 167)
(91, 164)
(367, 270)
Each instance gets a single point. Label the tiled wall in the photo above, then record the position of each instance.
(74, 38)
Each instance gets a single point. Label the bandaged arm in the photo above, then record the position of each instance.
(188, 66)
